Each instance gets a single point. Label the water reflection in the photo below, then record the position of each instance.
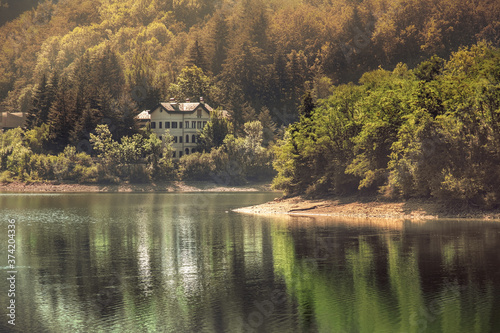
(440, 276)
(180, 263)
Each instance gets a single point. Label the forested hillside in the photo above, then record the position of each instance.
(429, 132)
(415, 125)
(93, 59)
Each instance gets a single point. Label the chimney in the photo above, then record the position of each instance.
(187, 100)
(201, 100)
(172, 100)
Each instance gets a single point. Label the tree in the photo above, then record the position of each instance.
(307, 107)
(62, 115)
(197, 57)
(214, 133)
(220, 43)
(144, 90)
(268, 125)
(428, 70)
(42, 101)
(192, 83)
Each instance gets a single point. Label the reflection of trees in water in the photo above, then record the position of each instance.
(394, 281)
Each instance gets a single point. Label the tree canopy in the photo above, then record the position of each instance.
(252, 53)
(428, 132)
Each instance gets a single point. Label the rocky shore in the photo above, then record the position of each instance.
(354, 207)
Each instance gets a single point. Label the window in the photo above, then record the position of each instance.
(159, 124)
(174, 124)
(180, 124)
(187, 151)
(193, 124)
(180, 139)
(175, 139)
(161, 138)
(153, 124)
(180, 154)
(198, 113)
(167, 124)
(204, 123)
(193, 138)
(199, 125)
(187, 138)
(187, 124)
(173, 154)
(193, 150)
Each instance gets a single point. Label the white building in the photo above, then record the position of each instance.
(184, 121)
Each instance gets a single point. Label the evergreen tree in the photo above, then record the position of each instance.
(307, 107)
(268, 125)
(297, 75)
(197, 57)
(220, 43)
(61, 116)
(214, 133)
(38, 114)
(141, 79)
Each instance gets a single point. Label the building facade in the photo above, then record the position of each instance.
(183, 121)
(9, 120)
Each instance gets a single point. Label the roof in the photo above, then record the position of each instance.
(182, 107)
(144, 115)
(12, 119)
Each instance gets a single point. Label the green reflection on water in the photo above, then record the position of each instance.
(183, 263)
(374, 285)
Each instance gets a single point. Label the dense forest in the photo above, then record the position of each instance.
(429, 132)
(76, 65)
(110, 58)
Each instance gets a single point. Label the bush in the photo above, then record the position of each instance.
(197, 166)
(6, 177)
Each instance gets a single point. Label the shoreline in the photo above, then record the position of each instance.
(364, 208)
(161, 187)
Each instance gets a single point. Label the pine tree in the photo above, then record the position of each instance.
(42, 101)
(61, 116)
(197, 57)
(39, 100)
(307, 107)
(220, 43)
(268, 125)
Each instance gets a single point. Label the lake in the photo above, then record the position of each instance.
(183, 262)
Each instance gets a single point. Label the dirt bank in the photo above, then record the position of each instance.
(175, 186)
(364, 208)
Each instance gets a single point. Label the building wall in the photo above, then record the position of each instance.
(12, 120)
(162, 121)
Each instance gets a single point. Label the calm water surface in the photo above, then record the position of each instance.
(186, 263)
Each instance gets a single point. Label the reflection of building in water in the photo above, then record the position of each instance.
(143, 256)
(188, 263)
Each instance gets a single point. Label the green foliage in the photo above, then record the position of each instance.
(197, 166)
(192, 83)
(136, 158)
(76, 65)
(6, 177)
(404, 133)
(214, 133)
(37, 138)
(73, 64)
(236, 161)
